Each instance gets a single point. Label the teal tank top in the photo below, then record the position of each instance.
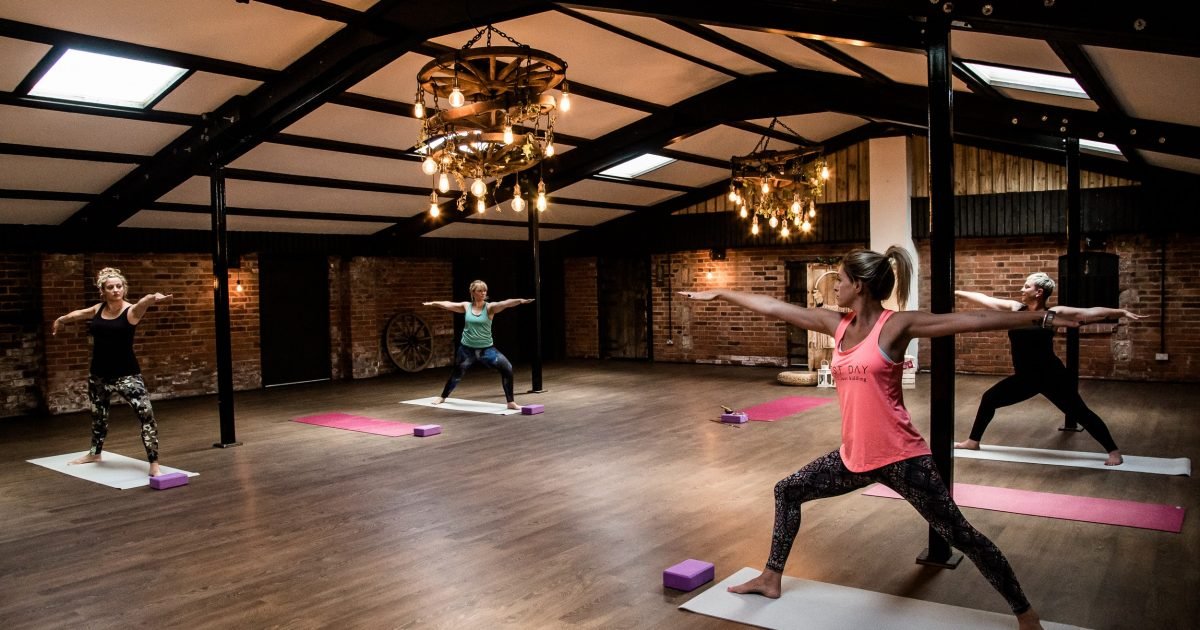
(477, 332)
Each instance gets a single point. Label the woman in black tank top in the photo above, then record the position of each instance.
(1037, 369)
(114, 368)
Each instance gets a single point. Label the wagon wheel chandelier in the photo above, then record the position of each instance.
(781, 187)
(491, 116)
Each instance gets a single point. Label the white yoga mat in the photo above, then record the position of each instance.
(808, 605)
(113, 470)
(458, 404)
(1133, 463)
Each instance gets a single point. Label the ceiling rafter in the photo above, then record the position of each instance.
(974, 81)
(645, 41)
(29, 150)
(729, 44)
(117, 48)
(847, 61)
(1088, 77)
(193, 208)
(144, 115)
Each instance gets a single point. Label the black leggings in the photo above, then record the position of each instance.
(917, 480)
(1057, 388)
(489, 356)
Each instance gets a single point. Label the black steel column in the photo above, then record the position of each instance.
(1073, 287)
(536, 367)
(941, 274)
(221, 310)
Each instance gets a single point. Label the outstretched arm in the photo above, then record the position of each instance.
(922, 324)
(496, 307)
(1095, 313)
(144, 304)
(819, 319)
(987, 301)
(73, 316)
(454, 307)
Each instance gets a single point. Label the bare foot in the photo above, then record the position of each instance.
(1029, 620)
(969, 444)
(86, 459)
(439, 400)
(513, 405)
(1114, 458)
(768, 584)
(154, 469)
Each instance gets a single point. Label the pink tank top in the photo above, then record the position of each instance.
(876, 428)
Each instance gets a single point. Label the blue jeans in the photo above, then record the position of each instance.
(489, 356)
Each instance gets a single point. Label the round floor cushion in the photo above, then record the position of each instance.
(795, 377)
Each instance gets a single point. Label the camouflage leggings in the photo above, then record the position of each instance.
(133, 390)
(917, 480)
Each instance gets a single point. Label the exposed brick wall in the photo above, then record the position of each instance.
(717, 332)
(21, 360)
(372, 291)
(175, 343)
(999, 266)
(582, 325)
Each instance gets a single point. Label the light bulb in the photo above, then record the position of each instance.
(766, 188)
(773, 222)
(708, 275)
(239, 286)
(541, 202)
(518, 204)
(742, 212)
(444, 183)
(812, 208)
(478, 188)
(480, 206)
(806, 227)
(796, 220)
(508, 134)
(564, 103)
(732, 195)
(433, 205)
(429, 166)
(796, 207)
(754, 229)
(456, 97)
(549, 150)
(824, 172)
(419, 110)
(784, 232)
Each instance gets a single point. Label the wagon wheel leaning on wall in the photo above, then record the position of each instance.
(408, 341)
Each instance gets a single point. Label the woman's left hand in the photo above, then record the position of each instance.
(699, 295)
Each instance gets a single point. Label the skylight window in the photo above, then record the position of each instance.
(105, 80)
(997, 76)
(638, 166)
(1100, 147)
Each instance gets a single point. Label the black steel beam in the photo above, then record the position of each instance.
(8, 148)
(646, 41)
(729, 44)
(323, 144)
(321, 182)
(973, 81)
(1088, 77)
(144, 115)
(846, 61)
(117, 48)
(643, 183)
(191, 208)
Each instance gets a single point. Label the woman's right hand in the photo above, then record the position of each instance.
(54, 327)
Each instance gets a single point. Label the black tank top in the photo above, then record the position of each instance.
(112, 345)
(1033, 348)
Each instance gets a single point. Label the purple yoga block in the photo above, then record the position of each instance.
(734, 418)
(169, 480)
(529, 410)
(427, 430)
(688, 575)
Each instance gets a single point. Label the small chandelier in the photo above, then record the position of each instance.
(780, 187)
(498, 117)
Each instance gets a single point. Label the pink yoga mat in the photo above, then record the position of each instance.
(786, 406)
(1167, 518)
(359, 423)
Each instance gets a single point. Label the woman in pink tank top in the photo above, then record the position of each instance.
(879, 442)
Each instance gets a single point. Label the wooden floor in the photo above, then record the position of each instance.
(560, 520)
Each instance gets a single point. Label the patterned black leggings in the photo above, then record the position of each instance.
(1057, 388)
(133, 390)
(917, 480)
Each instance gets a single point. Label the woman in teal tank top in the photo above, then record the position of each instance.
(476, 343)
